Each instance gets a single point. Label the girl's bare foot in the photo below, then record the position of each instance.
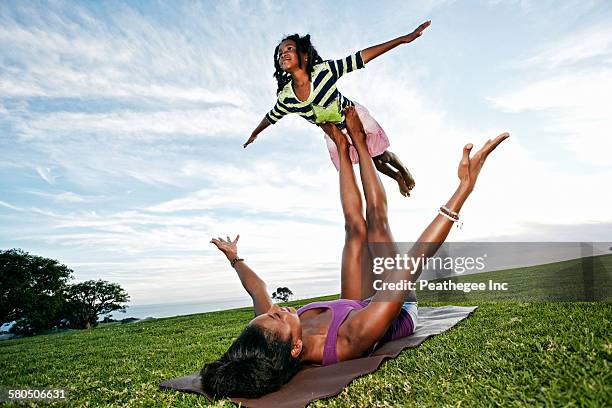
(407, 177)
(404, 190)
(391, 159)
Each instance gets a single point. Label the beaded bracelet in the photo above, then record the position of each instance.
(451, 215)
(449, 212)
(236, 259)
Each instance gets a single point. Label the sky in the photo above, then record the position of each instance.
(122, 124)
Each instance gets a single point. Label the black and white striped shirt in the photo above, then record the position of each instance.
(325, 103)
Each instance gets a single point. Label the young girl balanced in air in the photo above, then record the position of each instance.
(307, 86)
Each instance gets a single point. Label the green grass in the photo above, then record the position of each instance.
(515, 352)
(584, 279)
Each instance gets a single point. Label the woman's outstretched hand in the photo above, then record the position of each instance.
(228, 247)
(469, 167)
(417, 32)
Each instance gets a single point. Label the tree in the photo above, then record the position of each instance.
(87, 300)
(31, 289)
(282, 294)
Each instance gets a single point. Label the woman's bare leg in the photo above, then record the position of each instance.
(375, 196)
(379, 237)
(355, 251)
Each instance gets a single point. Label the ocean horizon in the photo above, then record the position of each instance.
(160, 310)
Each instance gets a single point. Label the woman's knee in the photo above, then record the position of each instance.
(377, 222)
(376, 213)
(355, 228)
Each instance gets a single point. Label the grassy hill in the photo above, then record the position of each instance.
(514, 352)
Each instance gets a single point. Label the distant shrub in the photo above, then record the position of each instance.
(87, 300)
(34, 291)
(31, 290)
(282, 294)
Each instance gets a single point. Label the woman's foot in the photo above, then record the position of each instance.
(335, 135)
(354, 126)
(469, 167)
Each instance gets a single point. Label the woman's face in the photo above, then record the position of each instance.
(281, 320)
(288, 56)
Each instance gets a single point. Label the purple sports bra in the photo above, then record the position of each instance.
(401, 327)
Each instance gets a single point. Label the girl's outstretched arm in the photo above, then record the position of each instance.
(260, 128)
(370, 53)
(252, 283)
(279, 111)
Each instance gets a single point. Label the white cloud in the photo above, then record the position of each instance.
(10, 206)
(583, 43)
(78, 56)
(46, 174)
(65, 197)
(586, 93)
(259, 187)
(201, 123)
(577, 108)
(551, 9)
(574, 100)
(55, 83)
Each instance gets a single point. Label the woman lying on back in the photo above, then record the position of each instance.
(278, 340)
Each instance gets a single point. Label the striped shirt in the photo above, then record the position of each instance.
(325, 103)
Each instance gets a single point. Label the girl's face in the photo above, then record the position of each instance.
(288, 56)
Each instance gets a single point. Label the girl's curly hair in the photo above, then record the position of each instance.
(303, 45)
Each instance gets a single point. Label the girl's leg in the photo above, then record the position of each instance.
(355, 251)
(385, 169)
(392, 159)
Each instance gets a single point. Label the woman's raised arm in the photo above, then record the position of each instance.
(253, 284)
(371, 323)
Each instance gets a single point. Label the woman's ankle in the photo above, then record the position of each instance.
(361, 148)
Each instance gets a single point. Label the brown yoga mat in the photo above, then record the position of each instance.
(316, 382)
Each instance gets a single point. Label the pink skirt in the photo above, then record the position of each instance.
(376, 138)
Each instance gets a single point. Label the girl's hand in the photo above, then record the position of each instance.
(251, 140)
(469, 167)
(416, 33)
(228, 247)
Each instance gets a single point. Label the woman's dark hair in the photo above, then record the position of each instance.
(257, 363)
(303, 45)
